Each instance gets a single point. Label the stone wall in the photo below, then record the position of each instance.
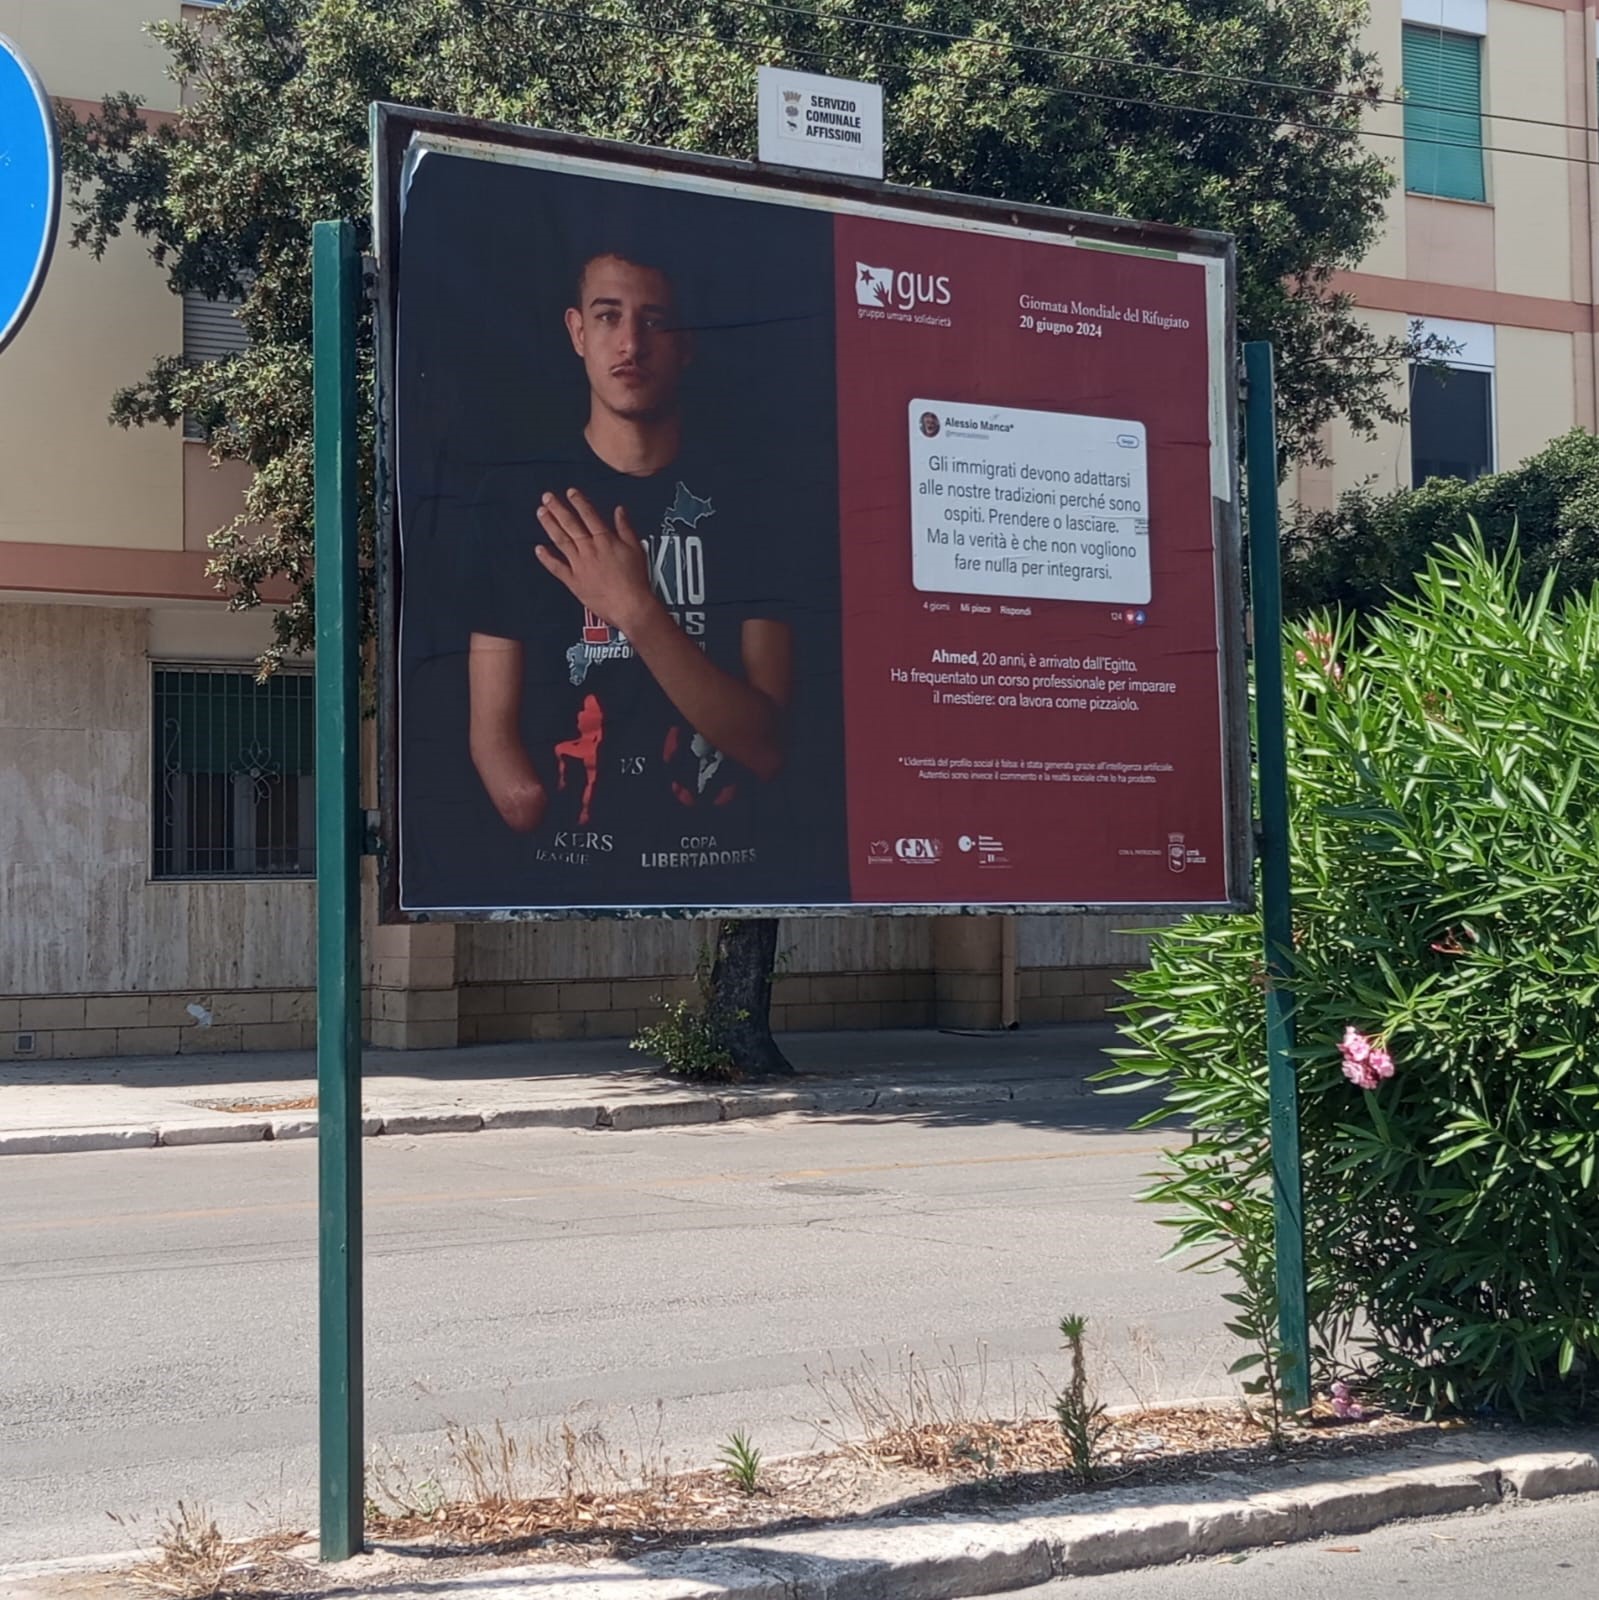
(95, 958)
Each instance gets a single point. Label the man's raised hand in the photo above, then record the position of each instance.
(603, 564)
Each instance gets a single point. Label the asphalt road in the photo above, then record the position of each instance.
(1545, 1550)
(157, 1308)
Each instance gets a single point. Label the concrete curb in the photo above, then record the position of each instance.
(230, 1130)
(405, 1122)
(542, 1117)
(623, 1116)
(945, 1557)
(61, 1141)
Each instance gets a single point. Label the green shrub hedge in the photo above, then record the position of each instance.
(1371, 545)
(1445, 807)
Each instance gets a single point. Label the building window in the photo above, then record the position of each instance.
(210, 332)
(1451, 423)
(1443, 114)
(235, 791)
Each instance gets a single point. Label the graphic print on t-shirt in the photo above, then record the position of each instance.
(585, 750)
(676, 564)
(632, 784)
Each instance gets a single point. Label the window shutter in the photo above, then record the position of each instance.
(1443, 114)
(210, 329)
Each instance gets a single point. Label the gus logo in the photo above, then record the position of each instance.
(889, 290)
(920, 850)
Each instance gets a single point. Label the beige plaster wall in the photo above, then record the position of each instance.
(82, 49)
(1382, 37)
(1450, 241)
(1525, 76)
(1535, 386)
(574, 952)
(1383, 462)
(213, 494)
(66, 476)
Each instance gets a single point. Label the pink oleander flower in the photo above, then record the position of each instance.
(1345, 1408)
(1366, 1063)
(1360, 1074)
(1322, 644)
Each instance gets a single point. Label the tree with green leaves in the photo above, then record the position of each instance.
(1239, 115)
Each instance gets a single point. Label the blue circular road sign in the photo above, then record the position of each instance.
(30, 188)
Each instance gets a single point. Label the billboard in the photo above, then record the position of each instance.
(753, 540)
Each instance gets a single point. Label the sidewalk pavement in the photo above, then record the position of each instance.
(143, 1103)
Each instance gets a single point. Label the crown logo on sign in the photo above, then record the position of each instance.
(792, 96)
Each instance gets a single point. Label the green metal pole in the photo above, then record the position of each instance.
(1266, 605)
(336, 287)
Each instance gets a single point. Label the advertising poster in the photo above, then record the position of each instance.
(760, 550)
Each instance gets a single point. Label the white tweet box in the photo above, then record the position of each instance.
(1040, 505)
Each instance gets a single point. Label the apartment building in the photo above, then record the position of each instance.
(156, 803)
(1490, 236)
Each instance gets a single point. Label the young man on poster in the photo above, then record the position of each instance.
(630, 678)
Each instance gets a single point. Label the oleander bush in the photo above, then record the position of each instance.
(1444, 774)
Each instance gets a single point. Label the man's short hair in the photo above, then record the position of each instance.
(619, 251)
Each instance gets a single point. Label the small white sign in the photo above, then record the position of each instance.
(1038, 505)
(827, 124)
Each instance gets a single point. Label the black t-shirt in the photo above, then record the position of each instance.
(636, 795)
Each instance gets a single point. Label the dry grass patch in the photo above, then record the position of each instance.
(899, 1438)
(193, 1560)
(568, 1494)
(604, 1504)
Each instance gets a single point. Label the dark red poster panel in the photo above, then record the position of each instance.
(1030, 620)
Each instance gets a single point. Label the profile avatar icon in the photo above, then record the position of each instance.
(930, 424)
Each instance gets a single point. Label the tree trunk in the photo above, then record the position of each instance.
(741, 996)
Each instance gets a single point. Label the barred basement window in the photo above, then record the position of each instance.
(235, 789)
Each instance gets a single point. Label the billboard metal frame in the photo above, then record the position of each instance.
(393, 128)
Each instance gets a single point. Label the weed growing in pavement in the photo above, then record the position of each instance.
(1083, 1424)
(684, 1041)
(1143, 1373)
(741, 1461)
(912, 1414)
(192, 1559)
(487, 1470)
